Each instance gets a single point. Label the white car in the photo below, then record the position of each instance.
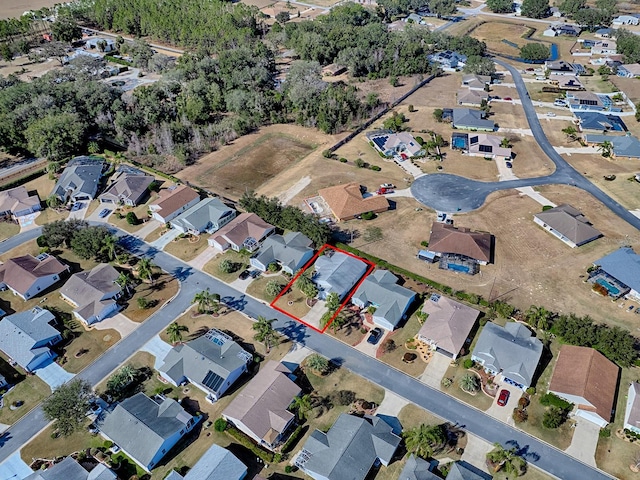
(551, 114)
(387, 185)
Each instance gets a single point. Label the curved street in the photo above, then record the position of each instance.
(451, 193)
(473, 421)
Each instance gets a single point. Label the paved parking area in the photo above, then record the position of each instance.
(119, 323)
(584, 441)
(14, 468)
(53, 374)
(435, 370)
(158, 348)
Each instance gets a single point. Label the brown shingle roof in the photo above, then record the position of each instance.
(462, 241)
(172, 200)
(17, 199)
(242, 227)
(346, 201)
(585, 372)
(19, 273)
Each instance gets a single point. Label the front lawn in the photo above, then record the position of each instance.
(8, 229)
(480, 400)
(257, 288)
(294, 302)
(241, 262)
(30, 390)
(92, 342)
(44, 445)
(164, 288)
(187, 248)
(140, 212)
(49, 215)
(395, 357)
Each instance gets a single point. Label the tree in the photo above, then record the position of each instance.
(535, 8)
(534, 51)
(132, 219)
(124, 281)
(571, 7)
(442, 8)
(207, 301)
(64, 29)
(470, 383)
(6, 52)
(394, 123)
(538, 317)
(306, 286)
(332, 302)
(508, 460)
(265, 333)
(61, 232)
(56, 136)
(317, 363)
(227, 266)
(424, 440)
(505, 143)
(53, 201)
(283, 17)
(273, 288)
(302, 406)
(146, 269)
(480, 65)
(68, 405)
(438, 114)
(109, 246)
(175, 331)
(57, 50)
(606, 149)
(553, 417)
(571, 132)
(53, 167)
(500, 6)
(91, 242)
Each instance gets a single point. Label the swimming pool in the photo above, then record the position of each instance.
(610, 288)
(458, 268)
(459, 142)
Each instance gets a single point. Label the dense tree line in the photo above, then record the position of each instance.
(628, 45)
(588, 16)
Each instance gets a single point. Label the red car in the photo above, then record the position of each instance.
(508, 99)
(503, 398)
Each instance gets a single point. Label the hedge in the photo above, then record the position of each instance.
(549, 399)
(119, 61)
(247, 442)
(23, 180)
(293, 438)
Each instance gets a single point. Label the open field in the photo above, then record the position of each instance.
(531, 266)
(253, 159)
(492, 33)
(15, 8)
(27, 70)
(630, 86)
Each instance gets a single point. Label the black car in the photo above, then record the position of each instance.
(245, 274)
(374, 336)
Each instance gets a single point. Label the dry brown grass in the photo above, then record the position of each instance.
(43, 185)
(140, 211)
(8, 229)
(93, 342)
(15, 8)
(164, 288)
(187, 248)
(492, 33)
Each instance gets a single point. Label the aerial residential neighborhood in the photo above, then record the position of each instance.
(330, 240)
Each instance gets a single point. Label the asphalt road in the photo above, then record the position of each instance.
(474, 421)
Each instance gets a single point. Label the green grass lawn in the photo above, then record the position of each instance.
(213, 266)
(258, 286)
(140, 211)
(400, 337)
(31, 391)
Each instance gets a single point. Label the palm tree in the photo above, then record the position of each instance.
(175, 332)
(571, 132)
(203, 299)
(332, 302)
(606, 149)
(302, 406)
(265, 333)
(124, 281)
(340, 321)
(505, 143)
(109, 246)
(145, 269)
(538, 317)
(500, 458)
(423, 440)
(318, 363)
(469, 383)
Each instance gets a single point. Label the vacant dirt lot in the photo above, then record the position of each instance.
(25, 69)
(531, 266)
(15, 8)
(630, 86)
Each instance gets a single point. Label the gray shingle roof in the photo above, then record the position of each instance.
(288, 250)
(338, 272)
(82, 175)
(381, 288)
(92, 290)
(213, 354)
(21, 331)
(140, 425)
(350, 448)
(202, 215)
(69, 469)
(217, 463)
(624, 265)
(128, 186)
(511, 350)
(465, 471)
(417, 469)
(626, 146)
(600, 121)
(469, 118)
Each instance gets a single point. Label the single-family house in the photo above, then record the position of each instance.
(212, 362)
(79, 180)
(346, 201)
(560, 67)
(625, 20)
(27, 276)
(16, 202)
(460, 249)
(568, 224)
(623, 146)
(550, 32)
(510, 353)
(487, 146)
(105, 45)
(337, 272)
(27, 337)
(217, 463)
(349, 449)
(619, 273)
(469, 119)
(449, 60)
(414, 18)
(632, 411)
(172, 202)
(476, 82)
(596, 122)
(261, 409)
(604, 32)
(208, 216)
(448, 325)
(565, 82)
(127, 188)
(462, 470)
(415, 468)
(390, 300)
(93, 293)
(586, 101)
(569, 30)
(147, 428)
(401, 145)
(555, 12)
(69, 469)
(247, 231)
(586, 378)
(604, 47)
(629, 70)
(473, 98)
(292, 252)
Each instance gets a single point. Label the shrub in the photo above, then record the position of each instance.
(328, 153)
(132, 219)
(420, 140)
(520, 415)
(343, 160)
(553, 418)
(523, 402)
(468, 363)
(604, 433)
(412, 108)
(220, 425)
(42, 241)
(551, 400)
(368, 216)
(446, 382)
(388, 346)
(255, 449)
(288, 469)
(107, 444)
(358, 162)
(143, 303)
(344, 397)
(546, 207)
(375, 168)
(531, 390)
(291, 441)
(227, 266)
(273, 267)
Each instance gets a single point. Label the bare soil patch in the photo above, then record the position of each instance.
(15, 8)
(630, 86)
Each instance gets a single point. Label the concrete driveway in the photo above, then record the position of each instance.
(14, 468)
(476, 451)
(158, 348)
(391, 404)
(118, 322)
(150, 226)
(504, 413)
(95, 215)
(315, 314)
(164, 240)
(79, 214)
(435, 370)
(53, 374)
(368, 349)
(584, 441)
(204, 257)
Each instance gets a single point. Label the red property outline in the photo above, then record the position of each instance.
(303, 269)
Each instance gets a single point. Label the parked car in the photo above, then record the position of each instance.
(509, 165)
(76, 206)
(551, 114)
(245, 274)
(374, 336)
(255, 273)
(383, 190)
(504, 397)
(104, 212)
(559, 102)
(508, 99)
(387, 185)
(630, 309)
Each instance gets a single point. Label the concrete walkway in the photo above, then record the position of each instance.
(241, 285)
(405, 192)
(203, 258)
(53, 375)
(584, 441)
(531, 193)
(165, 239)
(520, 131)
(118, 322)
(14, 468)
(504, 173)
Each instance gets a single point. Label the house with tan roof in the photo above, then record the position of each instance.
(472, 98)
(586, 378)
(448, 325)
(27, 276)
(172, 202)
(460, 249)
(245, 232)
(632, 411)
(127, 188)
(486, 146)
(476, 82)
(261, 409)
(568, 224)
(565, 82)
(346, 201)
(93, 293)
(17, 202)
